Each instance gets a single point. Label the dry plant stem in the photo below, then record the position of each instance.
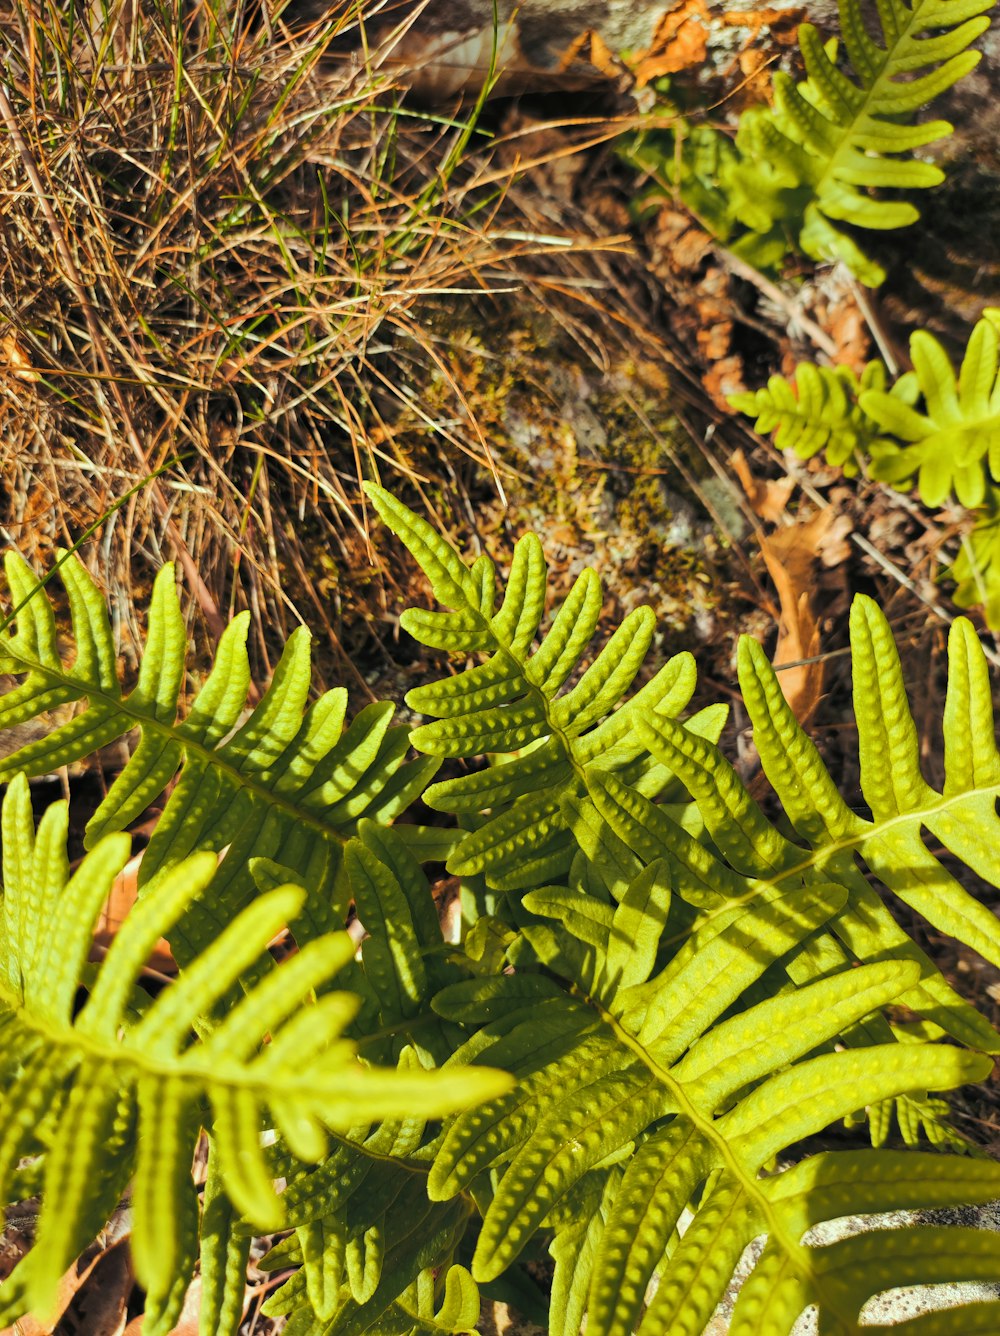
(893, 357)
(205, 600)
(819, 336)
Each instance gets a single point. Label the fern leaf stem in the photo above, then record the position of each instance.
(148, 721)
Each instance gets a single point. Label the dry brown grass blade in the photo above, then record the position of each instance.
(69, 272)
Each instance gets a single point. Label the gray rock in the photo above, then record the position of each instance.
(896, 1305)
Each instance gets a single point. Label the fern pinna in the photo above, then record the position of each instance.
(637, 1099)
(805, 164)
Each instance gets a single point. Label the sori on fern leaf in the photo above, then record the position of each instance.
(802, 169)
(679, 989)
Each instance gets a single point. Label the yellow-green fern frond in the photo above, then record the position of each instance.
(366, 1235)
(819, 412)
(809, 168)
(285, 777)
(976, 569)
(953, 443)
(930, 426)
(639, 1099)
(108, 1085)
(838, 136)
(520, 701)
(608, 813)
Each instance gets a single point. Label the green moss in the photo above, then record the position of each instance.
(586, 457)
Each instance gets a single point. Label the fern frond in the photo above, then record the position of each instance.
(610, 815)
(954, 443)
(107, 1093)
(805, 163)
(821, 412)
(282, 778)
(519, 701)
(835, 137)
(831, 837)
(695, 1093)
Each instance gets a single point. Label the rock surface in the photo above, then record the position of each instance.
(541, 45)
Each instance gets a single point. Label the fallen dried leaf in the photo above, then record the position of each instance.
(723, 379)
(188, 1324)
(101, 1305)
(680, 42)
(768, 498)
(17, 360)
(123, 895)
(70, 1301)
(791, 554)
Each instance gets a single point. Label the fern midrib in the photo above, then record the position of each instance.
(876, 88)
(534, 692)
(848, 844)
(943, 434)
(386, 1157)
(214, 759)
(706, 1127)
(119, 1056)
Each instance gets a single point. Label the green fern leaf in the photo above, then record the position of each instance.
(837, 137)
(901, 802)
(756, 857)
(954, 443)
(806, 165)
(613, 819)
(283, 777)
(699, 1096)
(821, 412)
(352, 1211)
(386, 1292)
(517, 702)
(125, 1097)
(224, 1254)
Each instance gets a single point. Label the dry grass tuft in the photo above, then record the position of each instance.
(218, 243)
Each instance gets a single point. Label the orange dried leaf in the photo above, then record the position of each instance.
(790, 555)
(680, 42)
(123, 895)
(768, 498)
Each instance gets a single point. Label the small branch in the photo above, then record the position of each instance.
(883, 340)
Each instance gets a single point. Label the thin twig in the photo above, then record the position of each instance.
(883, 340)
(819, 336)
